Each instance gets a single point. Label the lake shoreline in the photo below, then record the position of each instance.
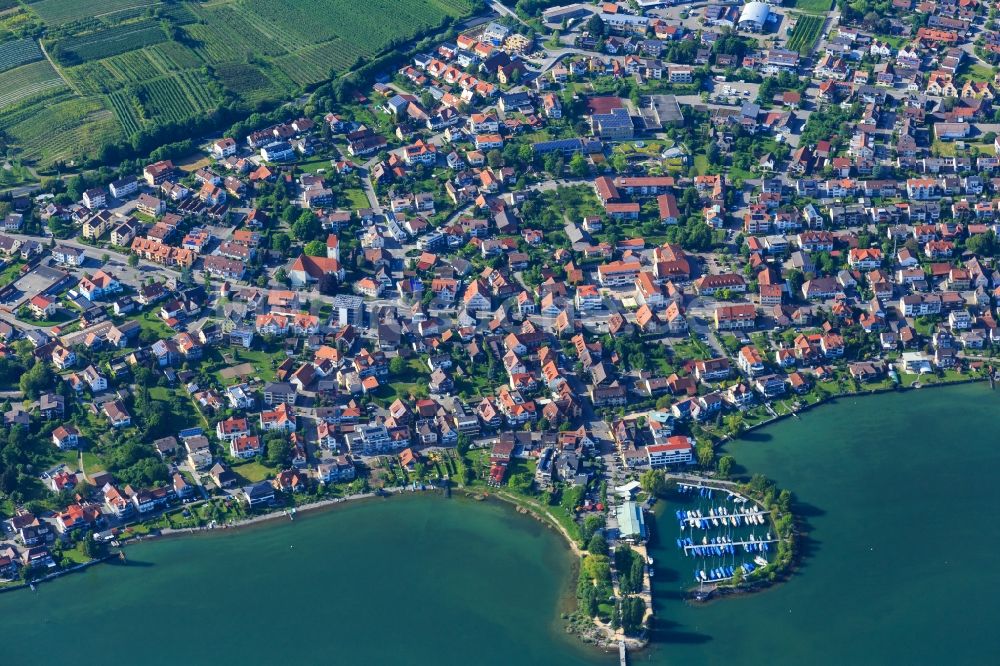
(329, 504)
(852, 394)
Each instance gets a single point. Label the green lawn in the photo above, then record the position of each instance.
(701, 164)
(150, 322)
(266, 362)
(412, 381)
(252, 471)
(182, 414)
(813, 6)
(315, 164)
(692, 348)
(356, 198)
(60, 317)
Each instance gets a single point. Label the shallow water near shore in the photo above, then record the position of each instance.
(410, 579)
(897, 491)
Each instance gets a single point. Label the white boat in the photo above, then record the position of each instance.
(760, 561)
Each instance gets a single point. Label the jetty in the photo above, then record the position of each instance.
(706, 547)
(622, 654)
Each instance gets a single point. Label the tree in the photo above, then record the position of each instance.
(315, 248)
(619, 162)
(133, 260)
(785, 501)
(654, 482)
(734, 424)
(92, 548)
(397, 365)
(307, 227)
(578, 165)
(591, 525)
(595, 26)
(726, 465)
(281, 243)
(983, 245)
(279, 450)
(36, 380)
(597, 545)
(706, 453)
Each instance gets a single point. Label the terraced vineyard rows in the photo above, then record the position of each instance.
(124, 104)
(453, 7)
(90, 78)
(63, 131)
(132, 71)
(806, 32)
(172, 56)
(165, 100)
(28, 81)
(131, 67)
(285, 40)
(59, 12)
(113, 41)
(313, 64)
(198, 90)
(245, 80)
(18, 52)
(227, 37)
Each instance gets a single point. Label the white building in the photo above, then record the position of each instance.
(754, 16)
(677, 450)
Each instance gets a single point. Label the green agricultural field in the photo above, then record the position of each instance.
(813, 6)
(28, 81)
(63, 130)
(128, 67)
(806, 33)
(60, 12)
(18, 52)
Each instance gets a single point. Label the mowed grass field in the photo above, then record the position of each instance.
(806, 33)
(814, 6)
(125, 66)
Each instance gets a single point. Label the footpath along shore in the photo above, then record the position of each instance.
(273, 515)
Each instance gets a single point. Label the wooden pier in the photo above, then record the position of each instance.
(622, 654)
(730, 543)
(728, 515)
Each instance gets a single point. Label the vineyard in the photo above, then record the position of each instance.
(227, 37)
(806, 33)
(18, 52)
(28, 81)
(62, 131)
(59, 12)
(368, 31)
(165, 99)
(112, 41)
(313, 64)
(247, 81)
(130, 67)
(135, 65)
(173, 56)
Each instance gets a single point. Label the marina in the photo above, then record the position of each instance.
(717, 530)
